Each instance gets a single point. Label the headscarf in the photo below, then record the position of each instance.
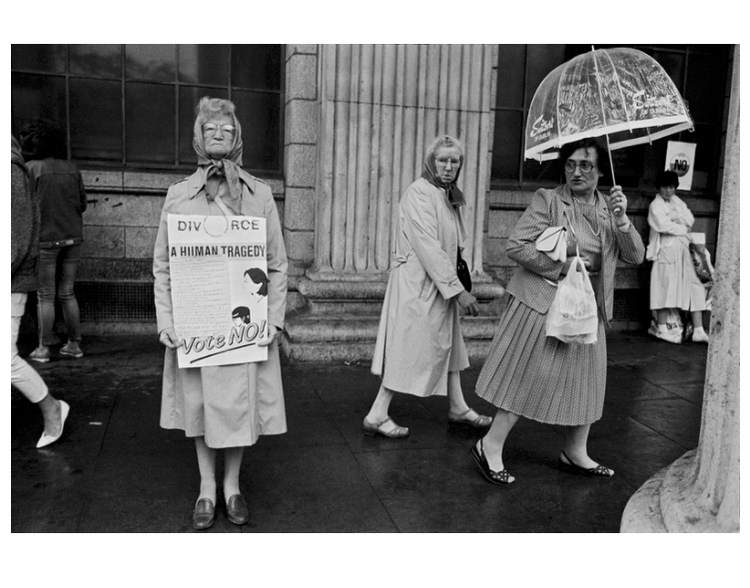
(227, 167)
(430, 173)
(15, 151)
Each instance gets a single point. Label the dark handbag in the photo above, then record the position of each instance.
(462, 270)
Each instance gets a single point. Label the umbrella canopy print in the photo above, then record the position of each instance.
(621, 93)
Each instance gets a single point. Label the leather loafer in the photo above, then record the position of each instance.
(237, 511)
(204, 514)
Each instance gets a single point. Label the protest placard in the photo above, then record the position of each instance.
(219, 282)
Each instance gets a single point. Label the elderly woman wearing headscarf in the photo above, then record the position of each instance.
(222, 407)
(420, 349)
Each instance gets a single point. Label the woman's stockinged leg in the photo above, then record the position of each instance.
(207, 469)
(456, 400)
(379, 412)
(381, 404)
(493, 442)
(232, 465)
(576, 446)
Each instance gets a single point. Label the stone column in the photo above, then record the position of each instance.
(380, 106)
(700, 491)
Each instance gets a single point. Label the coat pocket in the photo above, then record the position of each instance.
(428, 288)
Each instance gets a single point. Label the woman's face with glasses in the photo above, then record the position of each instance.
(218, 136)
(582, 172)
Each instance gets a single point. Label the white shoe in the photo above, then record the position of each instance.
(45, 439)
(671, 336)
(700, 337)
(653, 329)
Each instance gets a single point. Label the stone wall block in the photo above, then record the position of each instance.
(294, 50)
(495, 249)
(300, 209)
(116, 210)
(139, 242)
(103, 241)
(300, 166)
(115, 270)
(502, 222)
(93, 179)
(301, 122)
(302, 69)
(299, 245)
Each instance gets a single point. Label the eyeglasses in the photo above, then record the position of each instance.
(584, 166)
(211, 129)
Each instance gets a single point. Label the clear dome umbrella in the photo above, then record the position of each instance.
(621, 93)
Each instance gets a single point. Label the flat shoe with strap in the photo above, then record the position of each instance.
(480, 421)
(237, 511)
(599, 471)
(204, 514)
(369, 428)
(501, 478)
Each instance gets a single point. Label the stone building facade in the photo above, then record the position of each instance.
(355, 122)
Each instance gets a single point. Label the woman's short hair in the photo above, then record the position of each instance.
(41, 138)
(444, 141)
(666, 178)
(602, 156)
(209, 107)
(258, 276)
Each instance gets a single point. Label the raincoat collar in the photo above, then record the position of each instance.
(197, 181)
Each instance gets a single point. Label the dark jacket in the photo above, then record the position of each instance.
(24, 228)
(62, 200)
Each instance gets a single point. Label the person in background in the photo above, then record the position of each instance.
(24, 243)
(62, 201)
(227, 406)
(420, 349)
(674, 283)
(528, 374)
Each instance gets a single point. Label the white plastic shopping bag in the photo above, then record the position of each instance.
(572, 318)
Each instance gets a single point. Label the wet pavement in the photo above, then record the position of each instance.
(116, 470)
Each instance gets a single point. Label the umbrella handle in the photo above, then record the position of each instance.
(617, 210)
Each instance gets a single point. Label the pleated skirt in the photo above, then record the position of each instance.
(540, 377)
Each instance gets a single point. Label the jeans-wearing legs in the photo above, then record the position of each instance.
(22, 375)
(54, 263)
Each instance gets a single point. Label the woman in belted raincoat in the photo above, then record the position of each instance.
(420, 348)
(222, 407)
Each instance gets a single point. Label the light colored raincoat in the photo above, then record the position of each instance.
(419, 337)
(229, 405)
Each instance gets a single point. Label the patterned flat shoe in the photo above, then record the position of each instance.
(501, 478)
(369, 428)
(599, 471)
(479, 421)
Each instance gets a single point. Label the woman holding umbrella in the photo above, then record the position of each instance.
(528, 374)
